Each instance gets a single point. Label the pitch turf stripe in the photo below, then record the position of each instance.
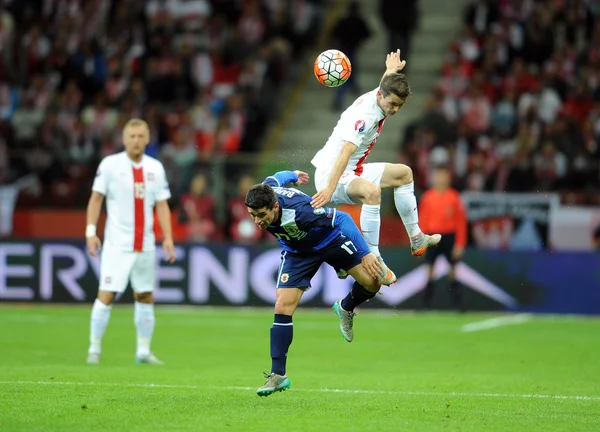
(496, 322)
(322, 390)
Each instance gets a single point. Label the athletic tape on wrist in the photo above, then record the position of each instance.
(90, 230)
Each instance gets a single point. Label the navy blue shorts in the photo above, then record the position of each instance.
(296, 270)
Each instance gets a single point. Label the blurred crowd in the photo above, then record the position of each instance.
(198, 214)
(517, 107)
(203, 73)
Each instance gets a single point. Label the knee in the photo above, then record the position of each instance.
(372, 286)
(284, 307)
(452, 273)
(430, 272)
(373, 195)
(405, 175)
(145, 297)
(106, 297)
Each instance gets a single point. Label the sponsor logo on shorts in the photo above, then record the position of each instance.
(284, 277)
(319, 211)
(360, 125)
(107, 280)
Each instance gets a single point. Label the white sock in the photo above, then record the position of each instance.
(98, 323)
(370, 224)
(144, 323)
(406, 204)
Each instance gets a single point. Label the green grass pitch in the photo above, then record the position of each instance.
(403, 372)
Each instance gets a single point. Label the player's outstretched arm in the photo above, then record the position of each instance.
(323, 197)
(283, 178)
(93, 242)
(393, 63)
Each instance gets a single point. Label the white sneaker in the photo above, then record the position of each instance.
(275, 383)
(422, 242)
(149, 359)
(346, 320)
(93, 358)
(387, 277)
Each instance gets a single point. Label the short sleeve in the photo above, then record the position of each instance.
(355, 128)
(163, 192)
(100, 184)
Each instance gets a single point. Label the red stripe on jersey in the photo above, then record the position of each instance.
(139, 193)
(359, 165)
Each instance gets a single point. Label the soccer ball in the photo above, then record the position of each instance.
(332, 68)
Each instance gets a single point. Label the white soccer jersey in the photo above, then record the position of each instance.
(131, 191)
(360, 124)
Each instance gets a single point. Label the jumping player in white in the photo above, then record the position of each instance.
(133, 183)
(343, 177)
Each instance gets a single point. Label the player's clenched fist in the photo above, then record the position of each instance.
(94, 245)
(372, 265)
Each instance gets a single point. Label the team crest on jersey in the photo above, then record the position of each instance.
(284, 277)
(294, 232)
(139, 190)
(107, 280)
(360, 125)
(150, 176)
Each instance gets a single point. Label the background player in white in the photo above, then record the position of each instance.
(133, 183)
(343, 177)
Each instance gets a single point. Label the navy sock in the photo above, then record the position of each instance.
(356, 296)
(282, 333)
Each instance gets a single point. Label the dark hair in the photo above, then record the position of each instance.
(260, 196)
(395, 83)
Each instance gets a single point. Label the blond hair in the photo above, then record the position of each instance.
(136, 122)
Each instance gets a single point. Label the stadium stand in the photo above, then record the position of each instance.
(203, 73)
(517, 106)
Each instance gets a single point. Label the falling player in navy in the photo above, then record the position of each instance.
(309, 237)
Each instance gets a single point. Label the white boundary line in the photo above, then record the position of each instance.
(199, 310)
(496, 322)
(322, 390)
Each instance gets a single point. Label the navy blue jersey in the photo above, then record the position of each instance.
(303, 229)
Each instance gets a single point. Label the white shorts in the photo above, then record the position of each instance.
(118, 267)
(372, 172)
